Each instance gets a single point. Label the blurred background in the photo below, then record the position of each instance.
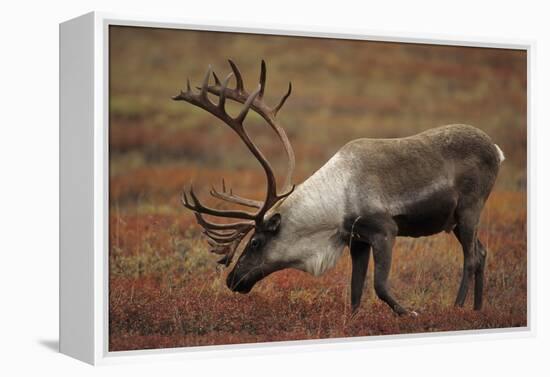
(160, 272)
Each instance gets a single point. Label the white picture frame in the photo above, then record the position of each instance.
(84, 191)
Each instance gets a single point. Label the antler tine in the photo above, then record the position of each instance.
(197, 206)
(182, 95)
(224, 239)
(228, 249)
(185, 201)
(226, 260)
(211, 242)
(218, 233)
(216, 226)
(218, 247)
(216, 79)
(238, 77)
(240, 95)
(234, 198)
(242, 115)
(290, 191)
(204, 87)
(221, 102)
(262, 79)
(283, 100)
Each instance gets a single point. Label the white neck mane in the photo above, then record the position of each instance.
(311, 219)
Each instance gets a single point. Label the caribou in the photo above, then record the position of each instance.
(370, 192)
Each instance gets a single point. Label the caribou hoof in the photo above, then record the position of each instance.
(413, 314)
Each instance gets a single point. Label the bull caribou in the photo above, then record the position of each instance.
(370, 192)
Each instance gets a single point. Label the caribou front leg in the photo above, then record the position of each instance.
(382, 253)
(360, 253)
(378, 231)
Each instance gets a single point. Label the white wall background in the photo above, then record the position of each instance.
(29, 183)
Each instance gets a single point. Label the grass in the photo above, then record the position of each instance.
(166, 291)
(164, 287)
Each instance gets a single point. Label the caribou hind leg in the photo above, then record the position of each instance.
(479, 275)
(360, 253)
(474, 257)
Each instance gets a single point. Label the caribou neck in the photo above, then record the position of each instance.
(312, 218)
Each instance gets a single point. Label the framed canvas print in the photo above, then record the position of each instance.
(229, 189)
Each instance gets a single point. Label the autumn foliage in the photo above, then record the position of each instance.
(164, 287)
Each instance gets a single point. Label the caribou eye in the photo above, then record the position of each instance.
(254, 243)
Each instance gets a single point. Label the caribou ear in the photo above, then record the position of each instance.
(273, 223)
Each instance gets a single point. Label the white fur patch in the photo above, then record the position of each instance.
(311, 217)
(501, 156)
(323, 257)
(319, 201)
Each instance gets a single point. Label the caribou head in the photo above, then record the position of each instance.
(224, 238)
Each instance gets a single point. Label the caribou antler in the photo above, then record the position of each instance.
(227, 241)
(269, 114)
(232, 198)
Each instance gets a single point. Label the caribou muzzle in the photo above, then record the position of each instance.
(239, 284)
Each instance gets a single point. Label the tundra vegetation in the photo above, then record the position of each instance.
(164, 287)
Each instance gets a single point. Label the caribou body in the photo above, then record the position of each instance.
(370, 192)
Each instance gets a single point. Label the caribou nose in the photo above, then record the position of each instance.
(233, 282)
(230, 281)
(237, 284)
